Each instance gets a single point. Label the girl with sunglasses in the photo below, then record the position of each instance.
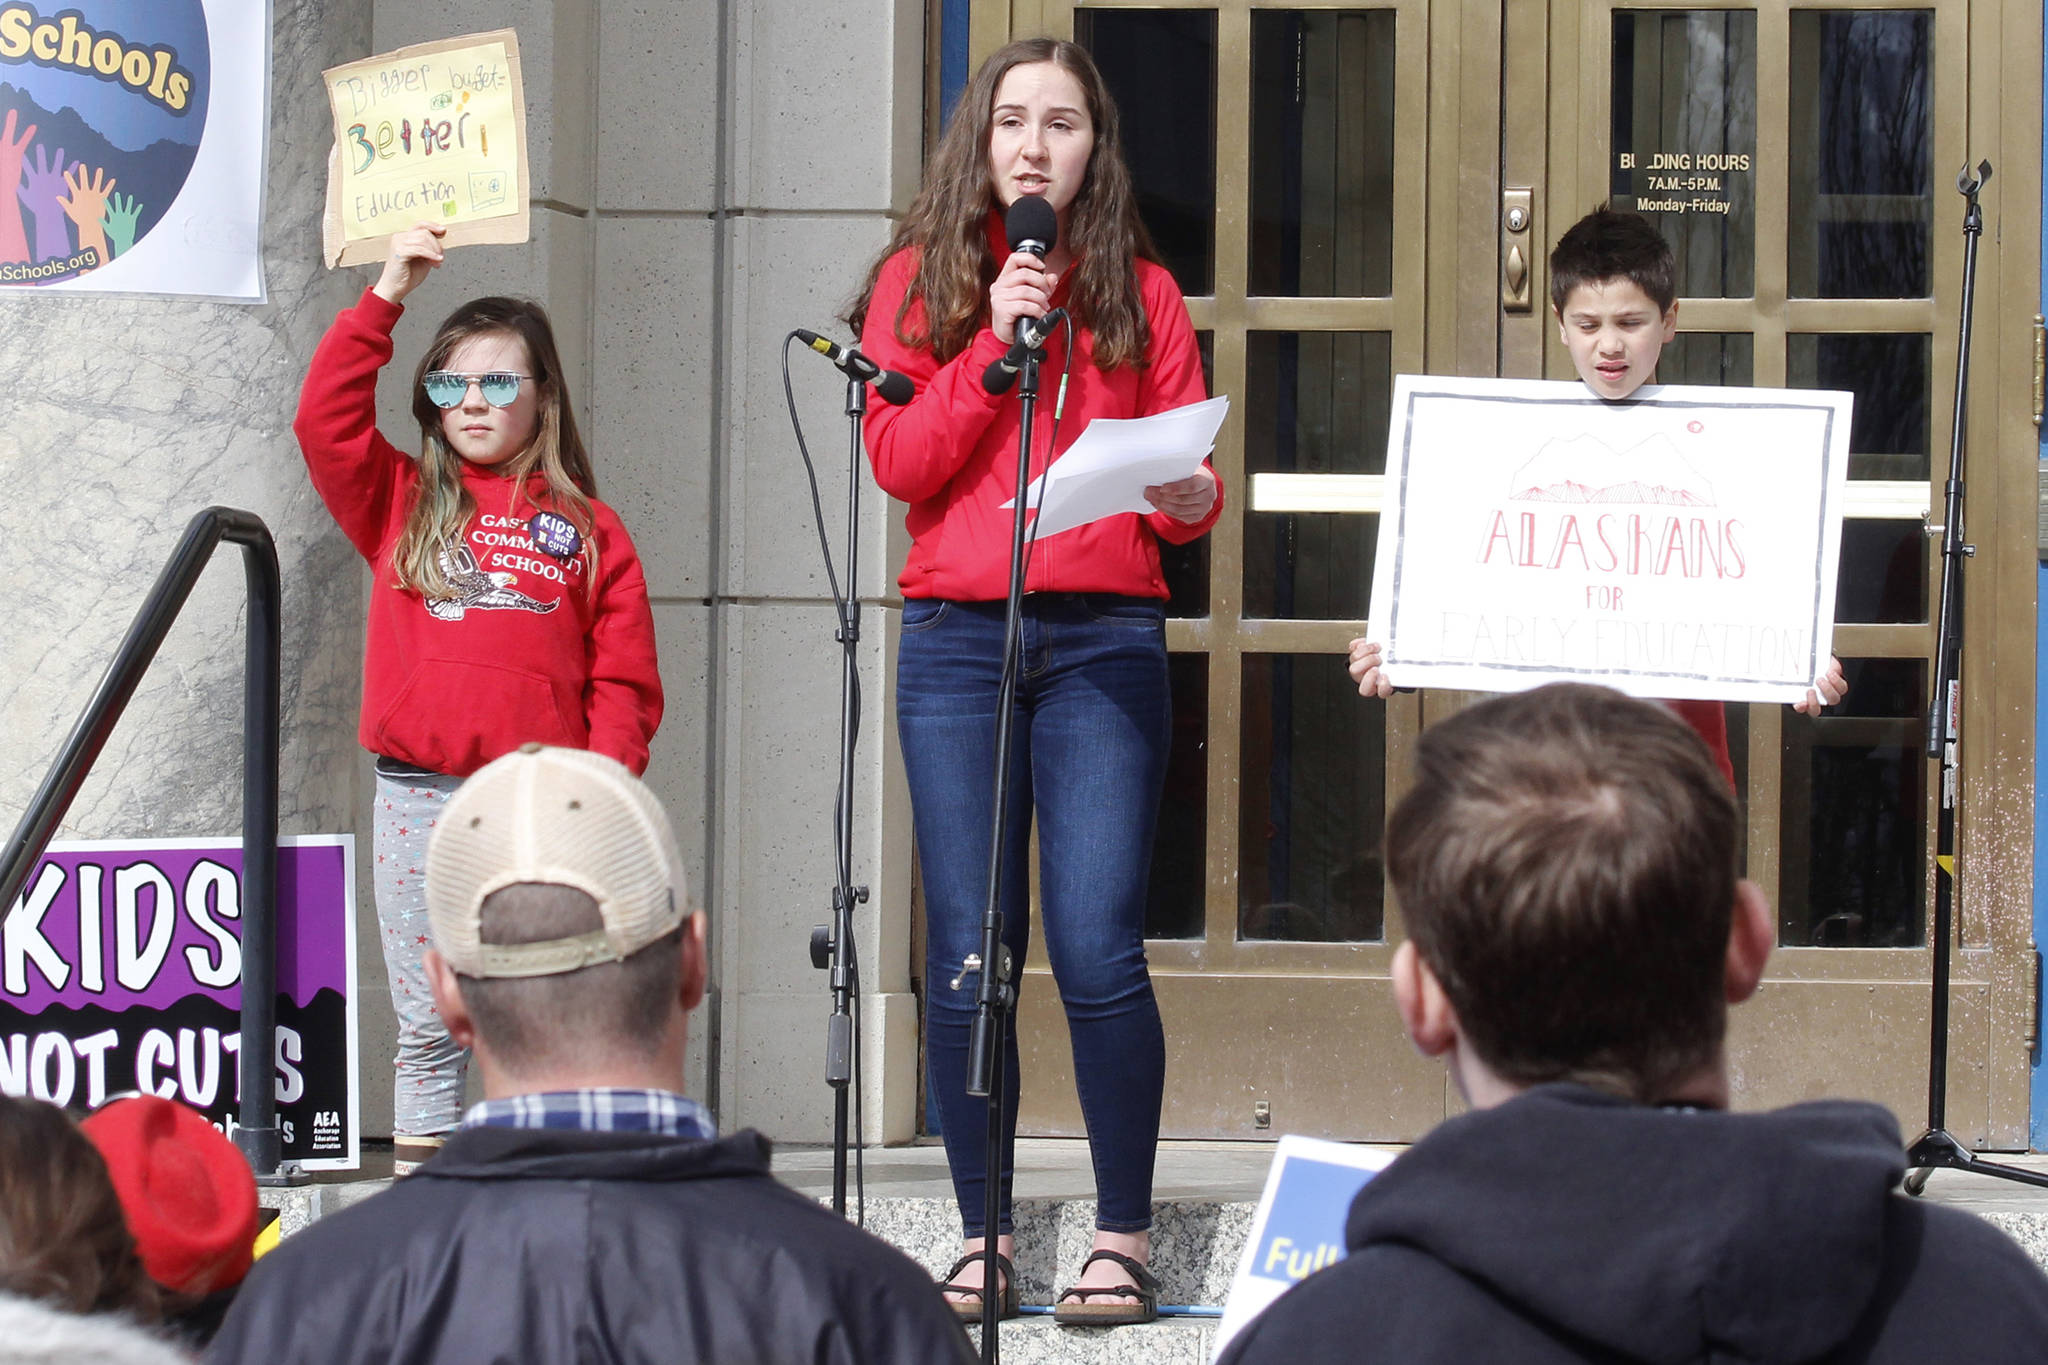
(507, 605)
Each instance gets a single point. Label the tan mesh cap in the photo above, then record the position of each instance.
(564, 817)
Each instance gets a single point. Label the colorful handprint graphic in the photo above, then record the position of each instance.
(13, 239)
(41, 190)
(122, 215)
(88, 201)
(93, 156)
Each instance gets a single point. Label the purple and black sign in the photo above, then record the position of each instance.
(121, 967)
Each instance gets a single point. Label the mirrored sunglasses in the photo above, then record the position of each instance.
(447, 388)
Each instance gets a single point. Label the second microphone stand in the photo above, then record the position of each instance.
(832, 946)
(1937, 1147)
(995, 997)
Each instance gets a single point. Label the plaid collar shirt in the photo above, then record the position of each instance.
(599, 1109)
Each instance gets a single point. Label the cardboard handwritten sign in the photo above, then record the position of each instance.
(1680, 544)
(435, 132)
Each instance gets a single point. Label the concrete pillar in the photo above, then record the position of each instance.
(708, 174)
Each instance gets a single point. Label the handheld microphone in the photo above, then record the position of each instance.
(1031, 225)
(895, 388)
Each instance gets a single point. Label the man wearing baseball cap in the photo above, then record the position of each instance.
(585, 1210)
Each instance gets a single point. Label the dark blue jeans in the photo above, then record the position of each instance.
(1088, 754)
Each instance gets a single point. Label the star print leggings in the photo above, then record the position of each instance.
(426, 1096)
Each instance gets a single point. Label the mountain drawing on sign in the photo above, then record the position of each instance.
(1587, 469)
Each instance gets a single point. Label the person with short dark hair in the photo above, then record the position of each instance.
(1566, 867)
(585, 1210)
(1609, 246)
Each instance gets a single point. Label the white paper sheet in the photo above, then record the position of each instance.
(1108, 469)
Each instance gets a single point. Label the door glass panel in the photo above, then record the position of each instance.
(1186, 567)
(1861, 154)
(1154, 60)
(1737, 714)
(1855, 813)
(1314, 403)
(1890, 432)
(1883, 574)
(1684, 140)
(1173, 908)
(1322, 162)
(1708, 358)
(1312, 803)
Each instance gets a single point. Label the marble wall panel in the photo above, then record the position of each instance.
(827, 104)
(658, 116)
(779, 713)
(129, 416)
(677, 762)
(651, 426)
(790, 272)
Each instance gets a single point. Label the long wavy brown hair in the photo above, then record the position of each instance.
(947, 224)
(441, 505)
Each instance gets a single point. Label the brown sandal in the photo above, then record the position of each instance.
(970, 1311)
(1074, 1309)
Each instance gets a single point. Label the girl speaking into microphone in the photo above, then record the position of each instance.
(942, 305)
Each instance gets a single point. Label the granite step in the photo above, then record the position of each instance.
(1038, 1340)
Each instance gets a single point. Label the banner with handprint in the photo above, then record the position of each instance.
(132, 136)
(435, 132)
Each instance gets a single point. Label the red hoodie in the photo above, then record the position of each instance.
(951, 453)
(528, 650)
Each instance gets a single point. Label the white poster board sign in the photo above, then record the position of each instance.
(1299, 1226)
(1680, 544)
(134, 134)
(121, 973)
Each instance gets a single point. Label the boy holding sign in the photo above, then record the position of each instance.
(1613, 288)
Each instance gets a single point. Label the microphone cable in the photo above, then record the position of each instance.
(1052, 444)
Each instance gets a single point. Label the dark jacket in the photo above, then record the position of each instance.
(551, 1246)
(1568, 1226)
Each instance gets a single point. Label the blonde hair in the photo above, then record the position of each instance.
(441, 505)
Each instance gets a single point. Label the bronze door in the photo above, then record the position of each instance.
(1333, 187)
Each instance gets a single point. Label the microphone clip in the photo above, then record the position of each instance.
(1032, 334)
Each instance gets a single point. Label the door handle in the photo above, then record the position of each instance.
(1517, 264)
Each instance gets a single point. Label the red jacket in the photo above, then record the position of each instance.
(527, 652)
(951, 453)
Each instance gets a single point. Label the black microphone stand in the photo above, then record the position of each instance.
(1937, 1147)
(832, 946)
(995, 996)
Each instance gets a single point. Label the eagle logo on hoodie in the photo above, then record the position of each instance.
(479, 590)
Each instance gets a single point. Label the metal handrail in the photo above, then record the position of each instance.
(257, 1135)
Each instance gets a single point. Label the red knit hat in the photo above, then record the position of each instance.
(187, 1192)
